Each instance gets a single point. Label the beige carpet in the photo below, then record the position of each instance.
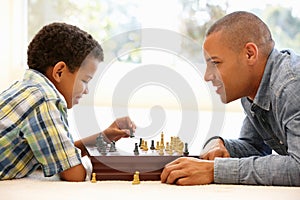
(38, 187)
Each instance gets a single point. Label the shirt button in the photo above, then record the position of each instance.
(280, 142)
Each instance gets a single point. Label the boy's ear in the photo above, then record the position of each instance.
(58, 71)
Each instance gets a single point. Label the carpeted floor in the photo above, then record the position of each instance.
(38, 187)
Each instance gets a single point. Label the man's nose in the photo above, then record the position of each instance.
(209, 74)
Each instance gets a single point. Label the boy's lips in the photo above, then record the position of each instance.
(77, 99)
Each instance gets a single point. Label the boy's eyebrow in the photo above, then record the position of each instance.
(88, 76)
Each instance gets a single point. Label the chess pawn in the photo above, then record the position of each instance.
(157, 146)
(167, 146)
(93, 178)
(136, 178)
(152, 147)
(168, 149)
(161, 150)
(186, 150)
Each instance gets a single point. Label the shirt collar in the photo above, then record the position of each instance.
(262, 97)
(36, 77)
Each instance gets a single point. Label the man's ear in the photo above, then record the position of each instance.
(58, 71)
(251, 53)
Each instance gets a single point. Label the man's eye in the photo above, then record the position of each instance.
(84, 81)
(215, 62)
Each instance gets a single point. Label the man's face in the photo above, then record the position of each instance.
(224, 69)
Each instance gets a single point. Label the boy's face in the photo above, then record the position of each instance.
(83, 76)
(74, 85)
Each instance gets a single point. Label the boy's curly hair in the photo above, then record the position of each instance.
(61, 42)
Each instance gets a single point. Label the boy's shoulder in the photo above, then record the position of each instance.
(33, 87)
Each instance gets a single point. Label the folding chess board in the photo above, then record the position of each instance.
(116, 164)
(122, 166)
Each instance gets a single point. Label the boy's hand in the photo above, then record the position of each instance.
(120, 128)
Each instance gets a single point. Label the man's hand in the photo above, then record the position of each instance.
(120, 128)
(213, 149)
(188, 171)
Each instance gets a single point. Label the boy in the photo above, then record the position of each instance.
(34, 129)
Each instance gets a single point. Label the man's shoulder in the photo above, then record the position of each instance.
(285, 70)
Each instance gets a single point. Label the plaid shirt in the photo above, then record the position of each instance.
(34, 129)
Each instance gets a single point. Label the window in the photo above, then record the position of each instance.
(124, 27)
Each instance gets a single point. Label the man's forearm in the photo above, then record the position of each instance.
(264, 170)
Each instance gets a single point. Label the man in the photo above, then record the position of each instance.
(243, 63)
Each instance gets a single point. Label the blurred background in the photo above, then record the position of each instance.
(21, 19)
(106, 19)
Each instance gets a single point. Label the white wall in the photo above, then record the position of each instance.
(13, 41)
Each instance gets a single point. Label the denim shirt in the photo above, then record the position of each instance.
(268, 149)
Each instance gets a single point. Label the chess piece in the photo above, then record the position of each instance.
(136, 149)
(152, 147)
(131, 133)
(186, 151)
(145, 148)
(168, 149)
(172, 143)
(161, 150)
(112, 147)
(142, 144)
(136, 178)
(157, 146)
(141, 140)
(162, 139)
(101, 144)
(93, 178)
(180, 148)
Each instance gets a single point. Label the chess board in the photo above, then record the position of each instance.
(122, 165)
(111, 163)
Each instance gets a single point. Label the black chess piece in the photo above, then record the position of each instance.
(131, 133)
(152, 147)
(112, 147)
(141, 140)
(136, 149)
(186, 151)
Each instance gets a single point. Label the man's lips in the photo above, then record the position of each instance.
(219, 88)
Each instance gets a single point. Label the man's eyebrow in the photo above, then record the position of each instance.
(211, 58)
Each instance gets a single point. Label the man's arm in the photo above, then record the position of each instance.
(257, 167)
(250, 143)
